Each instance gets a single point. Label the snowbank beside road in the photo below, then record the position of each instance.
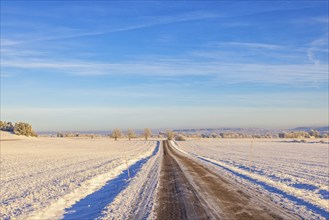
(138, 200)
(292, 174)
(38, 173)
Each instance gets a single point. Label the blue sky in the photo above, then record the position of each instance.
(98, 65)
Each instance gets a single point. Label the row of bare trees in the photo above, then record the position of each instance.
(130, 134)
(116, 133)
(170, 135)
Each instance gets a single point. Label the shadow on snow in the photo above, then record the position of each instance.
(92, 205)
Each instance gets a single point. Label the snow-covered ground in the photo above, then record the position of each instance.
(294, 175)
(45, 177)
(76, 178)
(138, 200)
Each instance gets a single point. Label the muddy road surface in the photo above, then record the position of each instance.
(189, 190)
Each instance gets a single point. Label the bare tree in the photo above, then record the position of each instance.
(2, 124)
(147, 133)
(170, 135)
(314, 133)
(22, 128)
(131, 133)
(180, 137)
(116, 133)
(7, 126)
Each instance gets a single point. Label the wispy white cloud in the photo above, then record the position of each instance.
(67, 33)
(320, 20)
(250, 45)
(165, 38)
(297, 74)
(8, 42)
(311, 57)
(163, 90)
(6, 75)
(319, 45)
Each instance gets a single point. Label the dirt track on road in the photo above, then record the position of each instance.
(189, 190)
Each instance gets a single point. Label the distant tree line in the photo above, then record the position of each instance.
(293, 134)
(20, 128)
(171, 135)
(303, 134)
(70, 134)
(230, 135)
(116, 133)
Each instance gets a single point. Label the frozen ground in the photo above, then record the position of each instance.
(294, 175)
(45, 177)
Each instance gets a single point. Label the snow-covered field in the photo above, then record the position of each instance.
(49, 177)
(294, 175)
(76, 178)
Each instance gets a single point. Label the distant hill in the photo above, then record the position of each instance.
(228, 130)
(320, 129)
(259, 131)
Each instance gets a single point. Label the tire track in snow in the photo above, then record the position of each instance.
(189, 190)
(317, 205)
